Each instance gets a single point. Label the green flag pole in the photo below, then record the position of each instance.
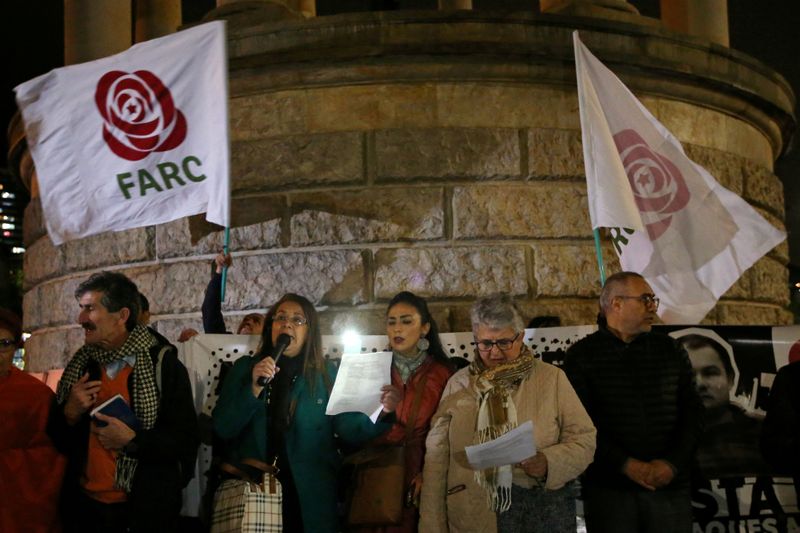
(599, 252)
(225, 250)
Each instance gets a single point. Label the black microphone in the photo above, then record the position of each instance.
(281, 343)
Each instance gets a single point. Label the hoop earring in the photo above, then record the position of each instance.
(423, 344)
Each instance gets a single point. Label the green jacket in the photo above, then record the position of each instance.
(241, 420)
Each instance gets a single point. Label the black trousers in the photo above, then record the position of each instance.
(633, 511)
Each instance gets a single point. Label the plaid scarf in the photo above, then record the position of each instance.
(497, 416)
(145, 393)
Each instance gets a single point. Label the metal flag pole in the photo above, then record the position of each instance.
(598, 251)
(225, 250)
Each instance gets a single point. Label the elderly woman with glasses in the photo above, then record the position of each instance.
(504, 387)
(272, 410)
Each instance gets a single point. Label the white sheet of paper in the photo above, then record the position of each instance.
(358, 384)
(508, 449)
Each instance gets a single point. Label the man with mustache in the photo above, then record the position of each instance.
(122, 478)
(637, 387)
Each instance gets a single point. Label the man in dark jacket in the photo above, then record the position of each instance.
(780, 437)
(122, 477)
(637, 387)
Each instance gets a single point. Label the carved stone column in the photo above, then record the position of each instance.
(707, 19)
(156, 18)
(275, 9)
(607, 9)
(95, 29)
(455, 4)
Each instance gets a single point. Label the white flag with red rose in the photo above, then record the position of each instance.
(133, 139)
(670, 220)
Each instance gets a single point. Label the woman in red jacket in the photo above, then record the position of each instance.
(418, 364)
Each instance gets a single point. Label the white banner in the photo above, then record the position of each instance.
(133, 139)
(670, 220)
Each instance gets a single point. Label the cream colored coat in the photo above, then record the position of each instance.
(563, 432)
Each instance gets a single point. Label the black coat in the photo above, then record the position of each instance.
(166, 453)
(780, 434)
(642, 399)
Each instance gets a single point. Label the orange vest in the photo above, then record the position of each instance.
(101, 464)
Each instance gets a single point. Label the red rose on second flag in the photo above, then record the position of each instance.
(658, 186)
(139, 113)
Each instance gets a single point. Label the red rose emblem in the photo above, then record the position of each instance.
(140, 116)
(658, 186)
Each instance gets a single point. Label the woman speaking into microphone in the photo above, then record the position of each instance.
(274, 413)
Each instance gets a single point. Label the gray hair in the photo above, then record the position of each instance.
(496, 311)
(117, 292)
(612, 286)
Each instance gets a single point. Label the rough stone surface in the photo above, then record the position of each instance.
(742, 289)
(568, 270)
(51, 303)
(727, 169)
(764, 188)
(42, 261)
(555, 154)
(742, 314)
(702, 126)
(781, 252)
(441, 153)
(770, 282)
(289, 162)
(174, 239)
(372, 107)
(534, 210)
(33, 225)
(325, 278)
(450, 272)
(267, 115)
(109, 249)
(572, 311)
(52, 348)
(371, 215)
(484, 105)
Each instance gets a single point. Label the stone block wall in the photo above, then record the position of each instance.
(348, 194)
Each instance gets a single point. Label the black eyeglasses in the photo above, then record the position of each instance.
(646, 299)
(297, 320)
(502, 344)
(5, 344)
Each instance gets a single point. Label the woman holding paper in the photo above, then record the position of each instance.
(282, 421)
(503, 388)
(421, 369)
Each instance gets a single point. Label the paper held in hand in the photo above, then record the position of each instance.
(509, 449)
(358, 384)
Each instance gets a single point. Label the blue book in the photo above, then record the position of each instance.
(117, 407)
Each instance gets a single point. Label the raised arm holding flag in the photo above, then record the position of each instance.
(670, 220)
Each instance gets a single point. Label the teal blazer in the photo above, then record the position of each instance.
(241, 420)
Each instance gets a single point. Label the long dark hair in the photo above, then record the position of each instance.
(313, 360)
(435, 348)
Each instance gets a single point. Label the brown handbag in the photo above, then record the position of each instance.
(378, 490)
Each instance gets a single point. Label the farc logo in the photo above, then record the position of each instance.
(139, 113)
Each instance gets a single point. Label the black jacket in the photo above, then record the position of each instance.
(166, 453)
(642, 399)
(780, 434)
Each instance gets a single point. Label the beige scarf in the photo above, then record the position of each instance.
(497, 416)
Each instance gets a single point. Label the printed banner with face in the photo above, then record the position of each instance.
(669, 218)
(133, 139)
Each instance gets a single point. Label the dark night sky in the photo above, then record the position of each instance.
(31, 35)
